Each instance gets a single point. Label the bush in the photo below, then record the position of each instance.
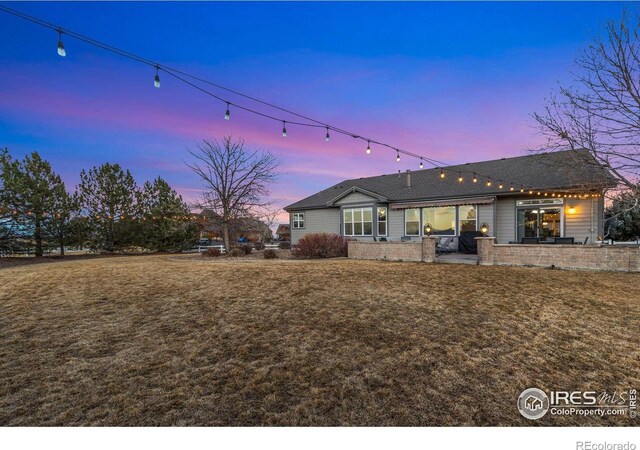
(235, 252)
(284, 245)
(270, 254)
(246, 248)
(212, 252)
(258, 246)
(321, 245)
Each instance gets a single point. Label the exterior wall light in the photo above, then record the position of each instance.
(428, 229)
(484, 228)
(572, 210)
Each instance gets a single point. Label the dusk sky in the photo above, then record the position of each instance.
(455, 82)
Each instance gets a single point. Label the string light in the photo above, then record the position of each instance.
(227, 113)
(368, 147)
(500, 186)
(441, 173)
(397, 155)
(475, 178)
(511, 187)
(326, 138)
(284, 129)
(489, 183)
(191, 80)
(421, 164)
(61, 51)
(521, 188)
(460, 179)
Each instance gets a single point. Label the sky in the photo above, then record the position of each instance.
(456, 82)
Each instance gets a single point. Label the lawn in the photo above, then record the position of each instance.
(175, 340)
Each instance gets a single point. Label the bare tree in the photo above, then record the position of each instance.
(235, 180)
(601, 112)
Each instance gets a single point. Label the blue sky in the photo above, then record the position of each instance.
(454, 81)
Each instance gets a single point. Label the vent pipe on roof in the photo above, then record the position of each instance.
(408, 178)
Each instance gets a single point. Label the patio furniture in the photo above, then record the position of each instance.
(383, 239)
(585, 240)
(530, 240)
(564, 240)
(444, 247)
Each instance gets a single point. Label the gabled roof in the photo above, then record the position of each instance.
(564, 170)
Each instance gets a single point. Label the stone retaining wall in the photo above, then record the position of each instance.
(593, 257)
(424, 251)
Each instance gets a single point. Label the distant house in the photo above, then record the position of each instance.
(542, 196)
(251, 229)
(283, 232)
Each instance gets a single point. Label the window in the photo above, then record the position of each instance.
(298, 220)
(467, 218)
(382, 221)
(442, 220)
(412, 222)
(357, 221)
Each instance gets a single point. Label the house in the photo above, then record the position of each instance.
(544, 196)
(284, 232)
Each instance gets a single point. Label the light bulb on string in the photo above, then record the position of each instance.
(397, 155)
(460, 179)
(421, 164)
(489, 183)
(442, 174)
(475, 178)
(368, 147)
(156, 80)
(284, 129)
(61, 51)
(227, 113)
(327, 137)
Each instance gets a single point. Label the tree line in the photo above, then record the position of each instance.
(106, 211)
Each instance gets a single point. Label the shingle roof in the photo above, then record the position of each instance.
(563, 170)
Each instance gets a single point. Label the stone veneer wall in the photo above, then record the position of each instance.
(394, 251)
(594, 257)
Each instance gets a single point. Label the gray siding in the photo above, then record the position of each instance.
(396, 224)
(355, 197)
(505, 230)
(317, 221)
(584, 222)
(486, 215)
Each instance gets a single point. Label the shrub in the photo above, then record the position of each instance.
(321, 245)
(246, 248)
(270, 254)
(284, 245)
(212, 252)
(258, 246)
(235, 252)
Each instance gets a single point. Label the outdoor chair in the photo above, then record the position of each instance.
(585, 240)
(530, 240)
(443, 247)
(564, 240)
(383, 239)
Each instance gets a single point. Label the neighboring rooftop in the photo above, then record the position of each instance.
(568, 170)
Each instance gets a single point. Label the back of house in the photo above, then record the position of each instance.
(541, 196)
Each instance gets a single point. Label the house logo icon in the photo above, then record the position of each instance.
(533, 403)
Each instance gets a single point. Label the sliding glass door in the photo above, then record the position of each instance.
(540, 221)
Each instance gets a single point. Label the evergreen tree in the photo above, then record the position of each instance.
(623, 216)
(108, 196)
(32, 190)
(165, 223)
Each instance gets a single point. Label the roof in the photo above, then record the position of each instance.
(568, 170)
(283, 229)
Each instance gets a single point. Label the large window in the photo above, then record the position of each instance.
(442, 220)
(539, 218)
(467, 218)
(357, 221)
(382, 221)
(412, 222)
(298, 220)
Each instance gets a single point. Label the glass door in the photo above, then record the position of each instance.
(539, 222)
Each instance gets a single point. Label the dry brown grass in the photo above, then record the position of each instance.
(177, 341)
